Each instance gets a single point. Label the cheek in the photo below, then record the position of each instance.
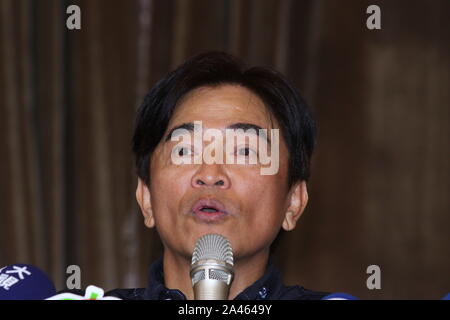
(166, 185)
(264, 198)
(265, 192)
(262, 216)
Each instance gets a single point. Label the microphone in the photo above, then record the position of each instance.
(91, 293)
(24, 282)
(339, 296)
(212, 268)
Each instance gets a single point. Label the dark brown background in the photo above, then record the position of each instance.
(379, 191)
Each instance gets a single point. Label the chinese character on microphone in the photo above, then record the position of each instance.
(7, 281)
(20, 271)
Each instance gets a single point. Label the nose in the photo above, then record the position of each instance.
(211, 175)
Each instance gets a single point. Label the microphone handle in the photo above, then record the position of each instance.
(210, 289)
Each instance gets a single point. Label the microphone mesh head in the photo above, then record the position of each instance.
(213, 246)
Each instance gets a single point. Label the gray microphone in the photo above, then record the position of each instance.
(212, 268)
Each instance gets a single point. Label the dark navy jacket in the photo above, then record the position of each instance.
(268, 287)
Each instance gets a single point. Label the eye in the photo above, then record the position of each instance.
(245, 151)
(182, 151)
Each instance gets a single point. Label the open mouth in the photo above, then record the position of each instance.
(209, 209)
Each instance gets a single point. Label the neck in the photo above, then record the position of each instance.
(246, 272)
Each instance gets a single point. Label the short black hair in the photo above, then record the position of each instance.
(212, 69)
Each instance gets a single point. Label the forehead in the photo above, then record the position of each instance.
(222, 105)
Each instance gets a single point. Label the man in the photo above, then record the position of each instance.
(185, 195)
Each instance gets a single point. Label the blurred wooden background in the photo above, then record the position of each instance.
(379, 190)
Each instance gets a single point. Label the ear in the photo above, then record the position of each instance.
(297, 203)
(143, 198)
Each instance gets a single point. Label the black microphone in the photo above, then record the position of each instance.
(24, 282)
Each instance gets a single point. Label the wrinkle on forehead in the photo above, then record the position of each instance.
(234, 101)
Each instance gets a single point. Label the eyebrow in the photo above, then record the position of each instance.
(248, 126)
(189, 126)
(186, 126)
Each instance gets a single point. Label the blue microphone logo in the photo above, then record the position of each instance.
(24, 282)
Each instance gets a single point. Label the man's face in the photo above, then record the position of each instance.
(247, 207)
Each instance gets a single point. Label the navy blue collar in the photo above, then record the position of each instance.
(269, 286)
